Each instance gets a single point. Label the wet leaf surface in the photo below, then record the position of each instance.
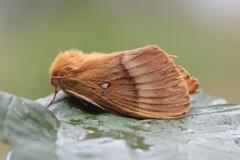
(209, 131)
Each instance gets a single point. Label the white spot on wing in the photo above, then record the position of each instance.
(105, 85)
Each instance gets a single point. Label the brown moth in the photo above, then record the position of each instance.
(140, 83)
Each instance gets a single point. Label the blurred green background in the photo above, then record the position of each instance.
(205, 35)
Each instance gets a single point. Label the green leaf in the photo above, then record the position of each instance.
(211, 130)
(28, 127)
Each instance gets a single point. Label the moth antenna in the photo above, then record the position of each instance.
(54, 97)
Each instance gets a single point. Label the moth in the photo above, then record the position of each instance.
(142, 83)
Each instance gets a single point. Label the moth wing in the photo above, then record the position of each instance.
(145, 83)
(142, 83)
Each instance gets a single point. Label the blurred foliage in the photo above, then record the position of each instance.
(203, 34)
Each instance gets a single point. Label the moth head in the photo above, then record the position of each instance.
(65, 64)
